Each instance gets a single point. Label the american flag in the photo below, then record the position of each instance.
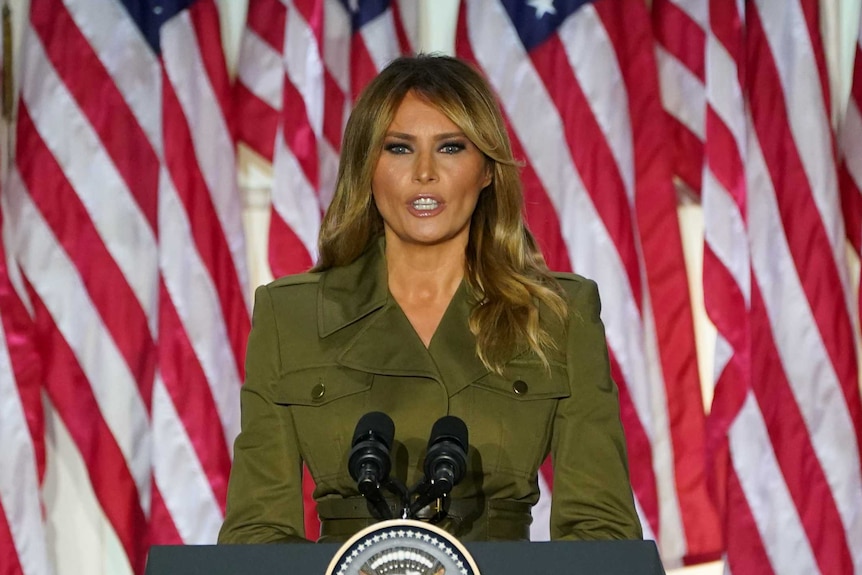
(123, 214)
(23, 546)
(850, 150)
(680, 35)
(786, 423)
(302, 64)
(578, 83)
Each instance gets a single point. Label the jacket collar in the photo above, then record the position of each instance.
(349, 293)
(386, 342)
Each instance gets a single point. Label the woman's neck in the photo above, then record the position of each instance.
(424, 273)
(423, 281)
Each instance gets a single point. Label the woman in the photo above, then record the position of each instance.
(430, 298)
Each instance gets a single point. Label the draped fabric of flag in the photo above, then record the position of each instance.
(786, 423)
(850, 151)
(302, 64)
(124, 216)
(22, 459)
(680, 34)
(578, 83)
(726, 254)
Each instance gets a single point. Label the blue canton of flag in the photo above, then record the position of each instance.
(364, 11)
(149, 15)
(536, 20)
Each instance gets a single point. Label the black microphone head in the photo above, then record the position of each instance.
(376, 423)
(451, 428)
(446, 458)
(369, 463)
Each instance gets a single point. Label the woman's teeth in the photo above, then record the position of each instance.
(425, 204)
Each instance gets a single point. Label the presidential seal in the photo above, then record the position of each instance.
(402, 547)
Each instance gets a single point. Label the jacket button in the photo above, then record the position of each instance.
(520, 387)
(318, 391)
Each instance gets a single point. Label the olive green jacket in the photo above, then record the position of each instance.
(326, 348)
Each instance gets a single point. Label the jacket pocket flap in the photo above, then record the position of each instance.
(318, 385)
(526, 381)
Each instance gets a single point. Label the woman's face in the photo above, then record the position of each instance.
(428, 178)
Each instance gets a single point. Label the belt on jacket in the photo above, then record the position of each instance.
(492, 519)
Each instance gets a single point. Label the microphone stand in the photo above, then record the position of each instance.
(427, 491)
(397, 487)
(377, 505)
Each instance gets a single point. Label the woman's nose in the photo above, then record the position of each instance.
(425, 168)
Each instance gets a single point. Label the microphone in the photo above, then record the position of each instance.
(369, 463)
(445, 462)
(446, 459)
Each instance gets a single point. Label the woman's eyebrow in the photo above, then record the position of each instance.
(411, 137)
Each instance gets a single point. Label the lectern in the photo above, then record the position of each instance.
(540, 558)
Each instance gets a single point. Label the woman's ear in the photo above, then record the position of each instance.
(489, 174)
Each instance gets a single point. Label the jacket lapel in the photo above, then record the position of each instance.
(453, 346)
(388, 345)
(385, 342)
(349, 293)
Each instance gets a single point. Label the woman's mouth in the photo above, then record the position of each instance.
(425, 204)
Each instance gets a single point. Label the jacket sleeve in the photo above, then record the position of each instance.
(592, 496)
(264, 501)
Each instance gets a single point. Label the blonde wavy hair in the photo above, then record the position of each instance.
(505, 271)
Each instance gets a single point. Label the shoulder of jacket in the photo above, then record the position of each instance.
(573, 283)
(582, 294)
(295, 280)
(570, 277)
(289, 289)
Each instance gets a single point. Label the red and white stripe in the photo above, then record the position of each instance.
(75, 208)
(680, 28)
(786, 421)
(601, 200)
(124, 218)
(726, 257)
(203, 299)
(23, 547)
(300, 68)
(850, 150)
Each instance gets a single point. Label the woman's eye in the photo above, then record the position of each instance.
(452, 147)
(397, 148)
